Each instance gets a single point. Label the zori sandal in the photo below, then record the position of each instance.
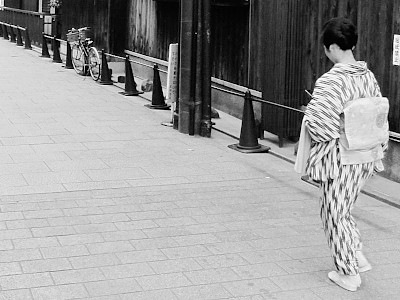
(348, 282)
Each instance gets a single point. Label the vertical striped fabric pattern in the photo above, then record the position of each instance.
(340, 185)
(344, 82)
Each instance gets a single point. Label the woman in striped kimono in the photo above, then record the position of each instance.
(339, 184)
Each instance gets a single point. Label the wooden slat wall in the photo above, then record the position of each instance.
(229, 43)
(293, 27)
(168, 27)
(294, 95)
(117, 31)
(377, 22)
(256, 37)
(285, 55)
(12, 3)
(92, 13)
(394, 81)
(31, 5)
(153, 25)
(274, 49)
(380, 20)
(142, 27)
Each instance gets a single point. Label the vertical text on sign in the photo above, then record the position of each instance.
(172, 79)
(396, 50)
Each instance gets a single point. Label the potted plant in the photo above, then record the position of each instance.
(54, 5)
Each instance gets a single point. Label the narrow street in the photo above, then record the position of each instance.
(99, 201)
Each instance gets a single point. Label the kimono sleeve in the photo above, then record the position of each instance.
(323, 111)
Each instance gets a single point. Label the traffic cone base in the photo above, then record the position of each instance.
(131, 93)
(165, 106)
(256, 149)
(248, 142)
(106, 82)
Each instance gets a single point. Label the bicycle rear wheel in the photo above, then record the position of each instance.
(78, 59)
(94, 63)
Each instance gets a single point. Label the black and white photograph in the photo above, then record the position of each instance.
(200, 149)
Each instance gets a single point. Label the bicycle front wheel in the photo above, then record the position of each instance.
(78, 59)
(94, 63)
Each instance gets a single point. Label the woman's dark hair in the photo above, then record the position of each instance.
(339, 31)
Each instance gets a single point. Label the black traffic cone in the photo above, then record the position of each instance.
(105, 74)
(130, 84)
(248, 142)
(12, 35)
(56, 51)
(68, 58)
(157, 98)
(45, 50)
(5, 32)
(19, 37)
(28, 44)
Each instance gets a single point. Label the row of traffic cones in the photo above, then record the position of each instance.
(55, 45)
(157, 99)
(248, 141)
(7, 32)
(56, 51)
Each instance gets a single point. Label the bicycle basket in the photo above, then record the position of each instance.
(85, 33)
(72, 36)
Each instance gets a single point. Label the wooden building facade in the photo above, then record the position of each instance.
(31, 5)
(272, 46)
(295, 56)
(107, 18)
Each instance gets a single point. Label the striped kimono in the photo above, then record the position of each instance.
(339, 184)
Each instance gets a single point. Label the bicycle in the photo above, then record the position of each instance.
(85, 57)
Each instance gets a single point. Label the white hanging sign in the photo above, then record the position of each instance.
(172, 78)
(396, 50)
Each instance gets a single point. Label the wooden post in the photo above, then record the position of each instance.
(206, 124)
(194, 70)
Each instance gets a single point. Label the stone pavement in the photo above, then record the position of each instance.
(99, 201)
